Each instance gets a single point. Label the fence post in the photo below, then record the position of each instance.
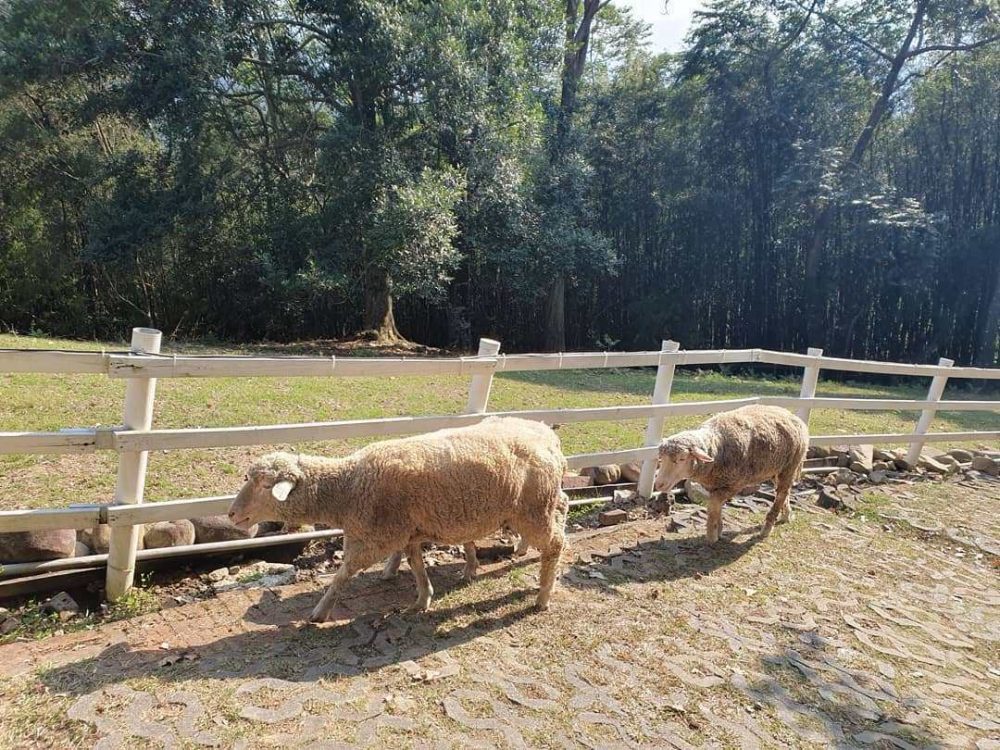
(810, 376)
(654, 427)
(927, 415)
(139, 394)
(479, 385)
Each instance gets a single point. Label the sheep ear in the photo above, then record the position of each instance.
(701, 456)
(281, 490)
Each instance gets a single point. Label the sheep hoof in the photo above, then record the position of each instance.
(317, 616)
(418, 607)
(388, 575)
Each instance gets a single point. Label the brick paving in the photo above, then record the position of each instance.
(834, 632)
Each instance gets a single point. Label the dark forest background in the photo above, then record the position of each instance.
(804, 173)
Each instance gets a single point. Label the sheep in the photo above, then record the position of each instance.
(735, 449)
(471, 559)
(449, 487)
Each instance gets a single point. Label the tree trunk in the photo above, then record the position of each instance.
(378, 308)
(555, 316)
(814, 293)
(574, 57)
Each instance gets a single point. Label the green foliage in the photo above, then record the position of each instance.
(266, 168)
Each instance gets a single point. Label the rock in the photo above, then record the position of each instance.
(82, 550)
(209, 529)
(960, 455)
(695, 492)
(32, 546)
(879, 454)
(218, 574)
(98, 538)
(933, 465)
(262, 574)
(862, 456)
(9, 625)
(829, 500)
(169, 534)
(270, 528)
(630, 472)
(841, 476)
(612, 517)
(883, 466)
(902, 464)
(574, 482)
(62, 605)
(947, 460)
(843, 460)
(986, 465)
(818, 451)
(607, 474)
(878, 476)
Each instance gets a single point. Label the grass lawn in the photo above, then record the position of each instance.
(44, 402)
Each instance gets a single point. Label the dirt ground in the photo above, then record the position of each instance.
(879, 628)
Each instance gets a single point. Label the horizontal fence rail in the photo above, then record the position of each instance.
(144, 363)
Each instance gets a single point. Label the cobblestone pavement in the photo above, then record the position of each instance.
(876, 631)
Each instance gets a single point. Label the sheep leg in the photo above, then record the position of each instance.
(471, 561)
(415, 556)
(355, 559)
(522, 547)
(780, 510)
(714, 525)
(550, 562)
(392, 565)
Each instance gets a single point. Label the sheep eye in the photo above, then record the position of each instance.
(246, 477)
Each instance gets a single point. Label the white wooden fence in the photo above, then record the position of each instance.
(143, 364)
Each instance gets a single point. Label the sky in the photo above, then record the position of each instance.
(669, 26)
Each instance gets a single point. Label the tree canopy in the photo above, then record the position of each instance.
(803, 173)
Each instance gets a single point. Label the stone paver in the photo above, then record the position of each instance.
(834, 632)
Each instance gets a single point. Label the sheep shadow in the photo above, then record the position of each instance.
(276, 641)
(670, 558)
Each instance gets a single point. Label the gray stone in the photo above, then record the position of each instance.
(934, 466)
(961, 455)
(879, 454)
(98, 538)
(986, 465)
(82, 550)
(878, 476)
(829, 500)
(607, 474)
(883, 466)
(695, 492)
(818, 451)
(947, 460)
(841, 476)
(571, 482)
(630, 472)
(218, 574)
(169, 534)
(62, 605)
(210, 529)
(862, 456)
(32, 546)
(9, 625)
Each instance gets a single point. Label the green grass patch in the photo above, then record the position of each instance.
(871, 505)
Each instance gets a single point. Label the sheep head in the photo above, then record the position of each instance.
(680, 456)
(269, 482)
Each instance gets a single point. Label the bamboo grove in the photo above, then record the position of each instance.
(802, 173)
